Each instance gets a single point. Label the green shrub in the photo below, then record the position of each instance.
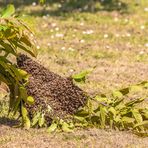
(110, 111)
(14, 38)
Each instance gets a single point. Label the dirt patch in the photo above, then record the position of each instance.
(39, 138)
(50, 89)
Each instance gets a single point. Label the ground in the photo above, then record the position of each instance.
(112, 41)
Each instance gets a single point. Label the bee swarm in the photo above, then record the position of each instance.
(50, 90)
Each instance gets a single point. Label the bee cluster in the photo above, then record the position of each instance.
(50, 90)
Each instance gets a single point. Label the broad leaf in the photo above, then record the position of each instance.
(66, 127)
(30, 100)
(128, 120)
(41, 120)
(8, 11)
(81, 76)
(117, 94)
(103, 116)
(27, 123)
(24, 111)
(143, 123)
(36, 119)
(52, 127)
(137, 115)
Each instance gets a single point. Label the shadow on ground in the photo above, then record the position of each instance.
(7, 121)
(70, 6)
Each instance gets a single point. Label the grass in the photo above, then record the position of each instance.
(113, 42)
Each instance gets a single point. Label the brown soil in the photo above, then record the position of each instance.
(50, 89)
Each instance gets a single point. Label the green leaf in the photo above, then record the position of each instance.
(145, 113)
(82, 113)
(8, 69)
(24, 111)
(81, 77)
(3, 28)
(124, 91)
(19, 45)
(117, 119)
(135, 88)
(103, 116)
(30, 100)
(36, 119)
(22, 72)
(117, 94)
(8, 11)
(137, 115)
(52, 127)
(8, 48)
(27, 123)
(23, 93)
(103, 100)
(118, 102)
(143, 123)
(113, 111)
(120, 107)
(66, 128)
(134, 102)
(128, 120)
(95, 120)
(41, 120)
(80, 119)
(144, 84)
(42, 1)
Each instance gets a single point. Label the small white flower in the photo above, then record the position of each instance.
(141, 52)
(117, 35)
(116, 19)
(82, 41)
(49, 44)
(88, 32)
(142, 27)
(126, 20)
(57, 28)
(81, 24)
(51, 30)
(38, 47)
(34, 4)
(31, 35)
(107, 46)
(52, 36)
(146, 45)
(53, 24)
(59, 5)
(44, 17)
(105, 35)
(146, 9)
(71, 70)
(85, 7)
(59, 35)
(71, 49)
(45, 25)
(128, 34)
(63, 48)
(80, 9)
(119, 3)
